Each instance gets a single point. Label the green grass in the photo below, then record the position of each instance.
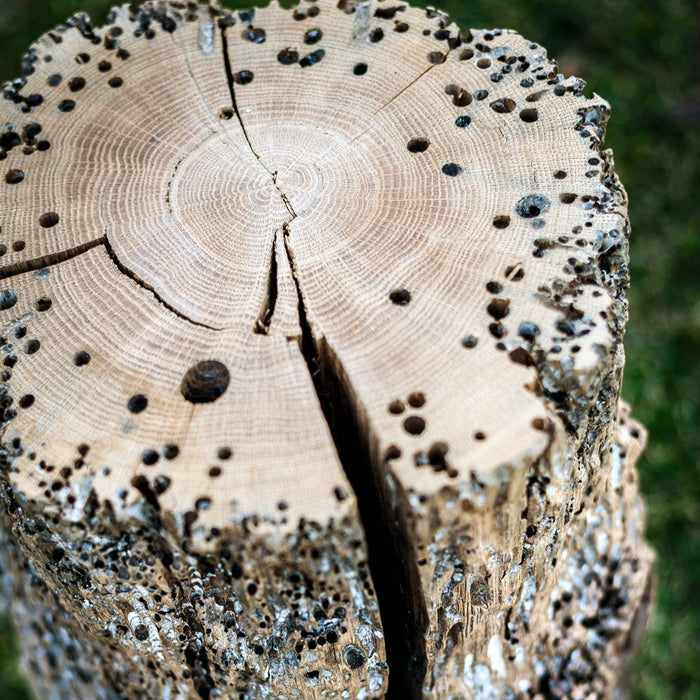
(642, 56)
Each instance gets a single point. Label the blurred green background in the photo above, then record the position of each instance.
(644, 58)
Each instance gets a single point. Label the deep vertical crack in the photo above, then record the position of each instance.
(383, 508)
(262, 323)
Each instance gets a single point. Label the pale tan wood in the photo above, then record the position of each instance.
(401, 254)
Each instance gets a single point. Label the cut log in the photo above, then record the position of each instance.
(312, 349)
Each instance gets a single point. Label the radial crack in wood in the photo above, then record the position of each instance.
(312, 327)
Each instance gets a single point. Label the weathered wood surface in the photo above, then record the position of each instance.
(312, 340)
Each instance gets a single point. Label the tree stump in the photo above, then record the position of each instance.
(312, 348)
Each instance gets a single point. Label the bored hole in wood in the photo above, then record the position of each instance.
(81, 358)
(400, 296)
(414, 425)
(418, 145)
(205, 381)
(49, 219)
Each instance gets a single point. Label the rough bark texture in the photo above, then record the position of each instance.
(312, 339)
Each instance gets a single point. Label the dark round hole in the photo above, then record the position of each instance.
(396, 407)
(243, 77)
(214, 472)
(226, 113)
(469, 341)
(531, 206)
(462, 121)
(414, 425)
(104, 66)
(115, 82)
(483, 63)
(416, 399)
(418, 145)
(494, 287)
(503, 106)
(149, 457)
(480, 436)
(452, 169)
(559, 174)
(81, 358)
(205, 382)
(501, 221)
(43, 146)
(32, 346)
(48, 219)
(66, 106)
(224, 453)
(400, 296)
(203, 503)
(26, 401)
(14, 177)
(529, 115)
(288, 56)
(75, 84)
(43, 304)
(18, 246)
(376, 35)
(171, 451)
(466, 54)
(567, 197)
(8, 298)
(360, 69)
(312, 36)
(436, 57)
(137, 403)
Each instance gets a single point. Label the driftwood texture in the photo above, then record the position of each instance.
(312, 348)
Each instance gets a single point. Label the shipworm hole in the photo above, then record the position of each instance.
(171, 451)
(414, 425)
(483, 63)
(360, 69)
(499, 308)
(503, 106)
(224, 453)
(214, 472)
(313, 36)
(469, 341)
(149, 457)
(8, 298)
(137, 403)
(115, 82)
(529, 115)
(436, 57)
(400, 296)
(494, 287)
(26, 401)
(416, 399)
(66, 106)
(82, 358)
(43, 304)
(18, 246)
(480, 436)
(243, 77)
(567, 197)
(75, 84)
(463, 120)
(418, 145)
(14, 177)
(48, 219)
(32, 346)
(452, 169)
(396, 407)
(501, 221)
(205, 382)
(288, 56)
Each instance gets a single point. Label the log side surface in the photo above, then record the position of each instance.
(312, 329)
